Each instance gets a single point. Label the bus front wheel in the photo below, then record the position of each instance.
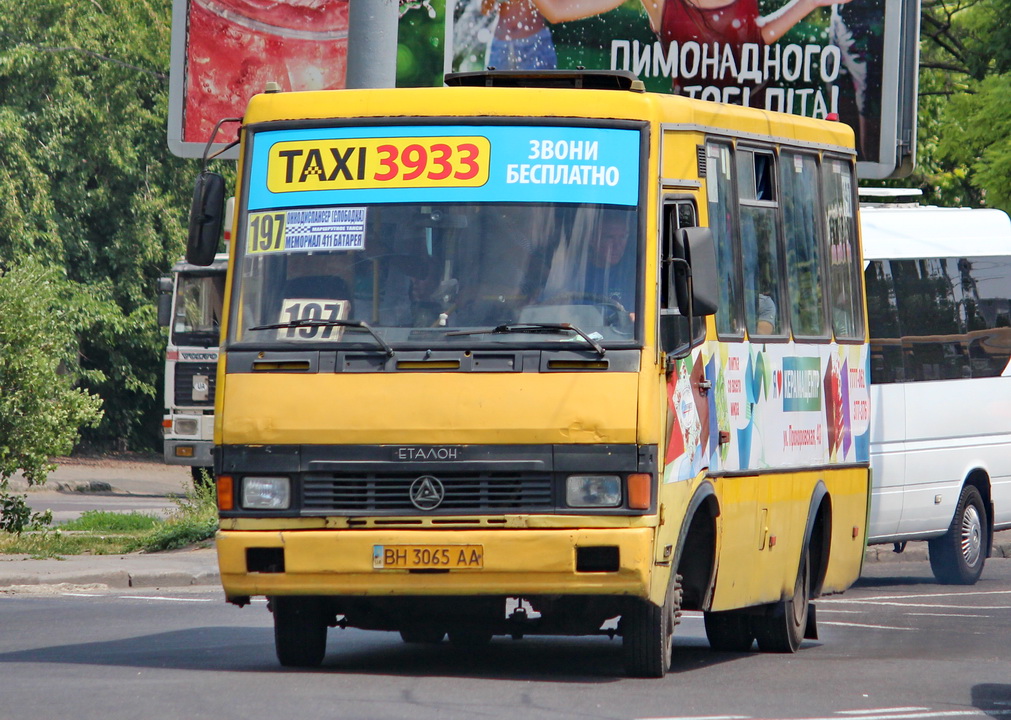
(299, 631)
(956, 558)
(648, 633)
(781, 628)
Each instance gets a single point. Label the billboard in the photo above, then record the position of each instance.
(855, 60)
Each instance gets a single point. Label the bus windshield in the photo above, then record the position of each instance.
(441, 273)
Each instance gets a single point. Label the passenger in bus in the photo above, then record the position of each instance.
(766, 315)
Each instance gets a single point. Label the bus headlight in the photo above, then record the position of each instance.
(266, 493)
(593, 491)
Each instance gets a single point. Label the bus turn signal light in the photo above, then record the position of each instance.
(226, 492)
(640, 487)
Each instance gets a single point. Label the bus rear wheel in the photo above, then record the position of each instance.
(299, 631)
(729, 631)
(648, 633)
(781, 628)
(956, 558)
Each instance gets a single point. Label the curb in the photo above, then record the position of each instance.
(183, 568)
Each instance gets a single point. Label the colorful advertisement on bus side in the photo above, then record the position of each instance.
(358, 166)
(770, 406)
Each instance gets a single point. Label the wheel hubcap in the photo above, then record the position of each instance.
(972, 535)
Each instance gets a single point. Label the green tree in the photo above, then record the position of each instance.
(964, 137)
(88, 182)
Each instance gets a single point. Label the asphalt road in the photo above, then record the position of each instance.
(895, 647)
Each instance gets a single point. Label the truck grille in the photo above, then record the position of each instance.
(184, 373)
(470, 493)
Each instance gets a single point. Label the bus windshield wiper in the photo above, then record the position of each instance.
(315, 322)
(534, 328)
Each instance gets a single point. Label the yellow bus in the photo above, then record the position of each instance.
(538, 353)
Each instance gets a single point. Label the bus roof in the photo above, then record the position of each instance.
(926, 232)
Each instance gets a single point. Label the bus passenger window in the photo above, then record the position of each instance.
(798, 175)
(759, 243)
(844, 298)
(729, 320)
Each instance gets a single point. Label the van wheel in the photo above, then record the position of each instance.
(729, 631)
(957, 556)
(781, 628)
(648, 633)
(299, 631)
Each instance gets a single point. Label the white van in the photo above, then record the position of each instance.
(939, 308)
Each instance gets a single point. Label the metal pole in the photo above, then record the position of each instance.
(372, 43)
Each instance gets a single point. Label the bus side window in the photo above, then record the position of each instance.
(798, 174)
(674, 332)
(844, 282)
(760, 243)
(723, 224)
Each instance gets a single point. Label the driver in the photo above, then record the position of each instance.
(610, 270)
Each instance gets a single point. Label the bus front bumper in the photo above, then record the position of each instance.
(522, 562)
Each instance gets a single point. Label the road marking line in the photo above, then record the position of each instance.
(876, 603)
(160, 597)
(702, 717)
(861, 625)
(912, 715)
(925, 595)
(882, 710)
(945, 615)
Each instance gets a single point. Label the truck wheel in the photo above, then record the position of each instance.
(957, 557)
(299, 631)
(648, 633)
(781, 628)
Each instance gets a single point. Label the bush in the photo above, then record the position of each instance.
(42, 408)
(194, 520)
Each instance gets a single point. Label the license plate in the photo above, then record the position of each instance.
(427, 557)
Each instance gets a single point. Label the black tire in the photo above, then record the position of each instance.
(299, 631)
(423, 635)
(729, 631)
(957, 557)
(781, 628)
(648, 633)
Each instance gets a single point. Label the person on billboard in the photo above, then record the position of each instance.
(522, 40)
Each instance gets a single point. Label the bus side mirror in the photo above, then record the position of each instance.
(164, 301)
(694, 280)
(206, 218)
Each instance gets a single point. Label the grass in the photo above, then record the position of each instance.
(194, 520)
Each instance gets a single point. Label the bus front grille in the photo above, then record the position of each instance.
(473, 493)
